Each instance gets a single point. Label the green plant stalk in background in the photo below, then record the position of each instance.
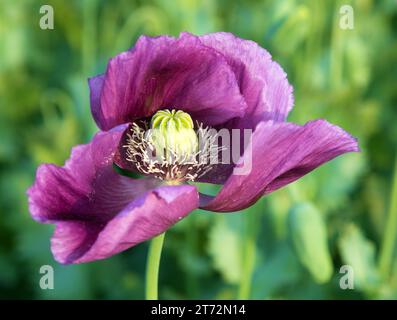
(336, 52)
(153, 266)
(389, 236)
(192, 239)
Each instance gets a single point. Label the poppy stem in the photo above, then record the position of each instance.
(389, 238)
(192, 239)
(153, 266)
(248, 255)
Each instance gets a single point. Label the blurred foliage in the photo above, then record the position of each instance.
(336, 215)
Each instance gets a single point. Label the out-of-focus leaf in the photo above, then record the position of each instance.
(359, 253)
(277, 271)
(330, 184)
(279, 205)
(358, 68)
(309, 238)
(299, 23)
(225, 246)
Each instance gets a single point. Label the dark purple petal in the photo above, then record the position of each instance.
(120, 157)
(262, 82)
(98, 212)
(165, 72)
(147, 216)
(96, 85)
(218, 174)
(86, 188)
(281, 153)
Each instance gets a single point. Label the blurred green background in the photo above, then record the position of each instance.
(291, 244)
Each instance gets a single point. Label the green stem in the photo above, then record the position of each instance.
(192, 238)
(152, 267)
(249, 256)
(389, 238)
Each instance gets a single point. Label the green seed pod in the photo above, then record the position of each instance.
(173, 136)
(309, 239)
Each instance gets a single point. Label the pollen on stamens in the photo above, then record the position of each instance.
(167, 164)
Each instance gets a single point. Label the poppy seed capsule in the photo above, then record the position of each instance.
(172, 135)
(172, 149)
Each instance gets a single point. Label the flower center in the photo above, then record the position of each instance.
(172, 135)
(171, 148)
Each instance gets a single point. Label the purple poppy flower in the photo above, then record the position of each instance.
(218, 81)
